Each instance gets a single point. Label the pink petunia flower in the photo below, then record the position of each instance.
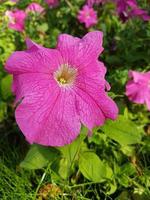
(52, 3)
(138, 88)
(88, 16)
(35, 8)
(16, 19)
(60, 89)
(143, 14)
(15, 1)
(92, 2)
(123, 8)
(129, 8)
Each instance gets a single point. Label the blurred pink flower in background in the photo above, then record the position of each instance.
(122, 7)
(16, 19)
(52, 3)
(129, 8)
(34, 7)
(138, 88)
(60, 89)
(88, 16)
(143, 14)
(92, 2)
(15, 1)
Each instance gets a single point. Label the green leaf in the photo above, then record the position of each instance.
(3, 110)
(124, 173)
(128, 150)
(9, 3)
(92, 167)
(71, 151)
(6, 86)
(109, 172)
(112, 188)
(39, 156)
(123, 131)
(70, 154)
(63, 168)
(128, 169)
(98, 138)
(124, 196)
(43, 27)
(124, 180)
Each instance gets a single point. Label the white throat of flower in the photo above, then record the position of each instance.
(10, 17)
(65, 75)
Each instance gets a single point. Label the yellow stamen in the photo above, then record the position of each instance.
(62, 81)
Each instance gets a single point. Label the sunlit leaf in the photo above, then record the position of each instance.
(39, 156)
(123, 131)
(92, 167)
(6, 86)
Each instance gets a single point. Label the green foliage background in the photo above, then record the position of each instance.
(112, 164)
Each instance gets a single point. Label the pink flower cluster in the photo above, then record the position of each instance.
(17, 17)
(60, 89)
(87, 15)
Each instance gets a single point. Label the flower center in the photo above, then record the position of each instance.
(12, 20)
(65, 75)
(62, 80)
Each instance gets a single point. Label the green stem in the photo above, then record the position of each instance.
(72, 161)
(83, 184)
(40, 182)
(69, 4)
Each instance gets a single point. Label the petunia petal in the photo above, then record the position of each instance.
(88, 110)
(34, 60)
(94, 41)
(94, 71)
(135, 75)
(47, 115)
(30, 44)
(135, 92)
(29, 84)
(78, 51)
(94, 106)
(65, 42)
